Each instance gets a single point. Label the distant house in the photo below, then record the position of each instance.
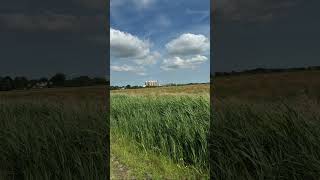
(151, 83)
(41, 85)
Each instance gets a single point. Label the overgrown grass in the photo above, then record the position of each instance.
(163, 90)
(53, 140)
(175, 126)
(142, 164)
(276, 140)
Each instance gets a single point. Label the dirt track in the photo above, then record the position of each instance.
(119, 170)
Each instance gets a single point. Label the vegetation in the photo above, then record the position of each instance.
(278, 140)
(172, 125)
(62, 136)
(199, 89)
(171, 85)
(264, 70)
(134, 162)
(59, 80)
(263, 126)
(266, 126)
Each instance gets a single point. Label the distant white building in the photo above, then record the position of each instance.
(151, 83)
(40, 85)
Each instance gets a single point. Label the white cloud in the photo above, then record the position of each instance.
(125, 45)
(186, 52)
(129, 47)
(188, 44)
(176, 62)
(137, 3)
(151, 58)
(127, 68)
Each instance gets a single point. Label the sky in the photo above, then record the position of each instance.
(162, 40)
(43, 37)
(265, 34)
(39, 38)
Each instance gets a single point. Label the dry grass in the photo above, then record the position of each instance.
(73, 94)
(266, 126)
(187, 89)
(268, 86)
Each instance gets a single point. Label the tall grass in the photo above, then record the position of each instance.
(175, 126)
(279, 140)
(51, 140)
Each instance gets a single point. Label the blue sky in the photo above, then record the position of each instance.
(162, 40)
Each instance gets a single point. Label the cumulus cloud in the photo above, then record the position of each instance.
(125, 45)
(151, 58)
(176, 62)
(188, 44)
(129, 47)
(185, 52)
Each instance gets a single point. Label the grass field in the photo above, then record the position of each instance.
(269, 87)
(198, 89)
(266, 126)
(54, 134)
(167, 122)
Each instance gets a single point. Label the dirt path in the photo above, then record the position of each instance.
(119, 170)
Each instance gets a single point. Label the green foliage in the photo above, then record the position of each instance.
(172, 125)
(278, 140)
(47, 140)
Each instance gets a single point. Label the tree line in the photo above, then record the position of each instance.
(264, 70)
(58, 80)
(139, 87)
(125, 87)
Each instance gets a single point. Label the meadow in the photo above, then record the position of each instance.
(54, 134)
(266, 126)
(263, 126)
(172, 122)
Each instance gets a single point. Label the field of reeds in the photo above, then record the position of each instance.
(266, 126)
(176, 126)
(166, 121)
(53, 134)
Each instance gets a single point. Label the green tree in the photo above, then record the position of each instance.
(58, 79)
(20, 82)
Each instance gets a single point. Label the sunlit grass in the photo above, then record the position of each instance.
(175, 126)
